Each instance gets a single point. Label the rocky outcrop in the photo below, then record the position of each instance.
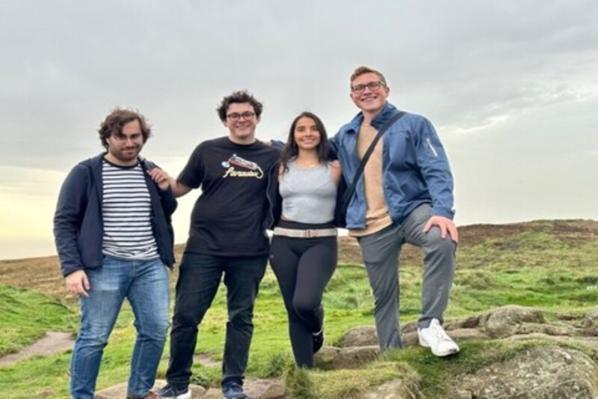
(539, 373)
(542, 372)
(359, 336)
(351, 357)
(395, 389)
(561, 362)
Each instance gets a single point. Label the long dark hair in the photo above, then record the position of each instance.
(291, 150)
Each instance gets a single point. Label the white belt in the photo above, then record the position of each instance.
(305, 233)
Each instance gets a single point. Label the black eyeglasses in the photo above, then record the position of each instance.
(234, 116)
(371, 85)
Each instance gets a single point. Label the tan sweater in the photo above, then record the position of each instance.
(377, 216)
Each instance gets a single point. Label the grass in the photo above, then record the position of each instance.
(549, 265)
(26, 315)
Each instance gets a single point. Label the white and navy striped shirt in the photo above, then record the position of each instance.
(127, 212)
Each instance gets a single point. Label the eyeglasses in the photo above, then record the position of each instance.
(373, 86)
(234, 116)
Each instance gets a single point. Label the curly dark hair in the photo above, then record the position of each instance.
(241, 96)
(291, 150)
(119, 117)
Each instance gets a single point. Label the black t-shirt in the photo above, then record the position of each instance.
(227, 219)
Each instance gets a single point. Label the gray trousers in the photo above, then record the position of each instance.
(381, 257)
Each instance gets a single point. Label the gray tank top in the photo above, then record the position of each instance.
(308, 194)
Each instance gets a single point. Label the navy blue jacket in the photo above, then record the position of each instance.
(78, 224)
(415, 169)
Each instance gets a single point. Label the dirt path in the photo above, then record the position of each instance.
(50, 344)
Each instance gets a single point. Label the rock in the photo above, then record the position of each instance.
(213, 393)
(395, 389)
(507, 320)
(409, 327)
(346, 358)
(324, 359)
(254, 388)
(409, 339)
(359, 336)
(539, 373)
(591, 319)
(470, 322)
(591, 342)
(548, 329)
(265, 389)
(120, 391)
(464, 334)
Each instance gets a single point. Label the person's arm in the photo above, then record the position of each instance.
(70, 209)
(335, 171)
(165, 181)
(435, 169)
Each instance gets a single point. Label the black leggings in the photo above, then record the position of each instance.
(303, 267)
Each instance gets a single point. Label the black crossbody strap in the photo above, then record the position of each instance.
(368, 153)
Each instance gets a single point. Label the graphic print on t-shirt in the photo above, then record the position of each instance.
(238, 167)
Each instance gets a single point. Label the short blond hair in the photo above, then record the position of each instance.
(365, 69)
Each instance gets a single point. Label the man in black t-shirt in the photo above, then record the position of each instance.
(227, 237)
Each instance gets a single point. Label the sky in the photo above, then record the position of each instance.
(511, 87)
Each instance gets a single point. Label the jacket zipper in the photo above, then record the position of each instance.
(431, 147)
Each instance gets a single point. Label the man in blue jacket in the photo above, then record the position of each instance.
(114, 238)
(404, 195)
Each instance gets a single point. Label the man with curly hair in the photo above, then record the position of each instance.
(227, 238)
(114, 239)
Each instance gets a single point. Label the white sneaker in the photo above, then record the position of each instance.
(435, 338)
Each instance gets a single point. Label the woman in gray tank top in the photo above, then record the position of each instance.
(303, 253)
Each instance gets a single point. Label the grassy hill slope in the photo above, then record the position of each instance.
(552, 265)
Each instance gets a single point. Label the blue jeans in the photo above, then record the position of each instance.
(198, 282)
(145, 285)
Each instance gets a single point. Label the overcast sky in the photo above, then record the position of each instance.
(511, 86)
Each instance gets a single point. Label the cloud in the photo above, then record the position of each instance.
(494, 77)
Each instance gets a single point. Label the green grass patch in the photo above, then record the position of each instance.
(26, 315)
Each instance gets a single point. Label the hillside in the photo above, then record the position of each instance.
(550, 267)
(42, 274)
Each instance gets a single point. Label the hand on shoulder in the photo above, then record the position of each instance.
(160, 177)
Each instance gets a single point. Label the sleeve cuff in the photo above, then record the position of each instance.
(447, 213)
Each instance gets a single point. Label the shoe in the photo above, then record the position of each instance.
(435, 338)
(172, 392)
(233, 390)
(318, 340)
